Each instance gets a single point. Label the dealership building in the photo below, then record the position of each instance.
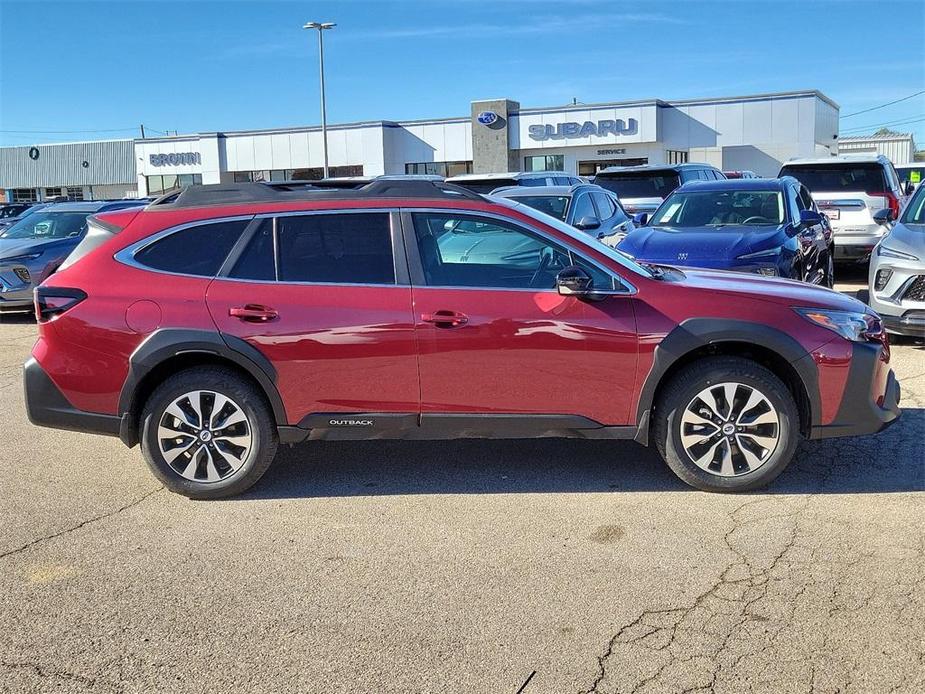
(757, 132)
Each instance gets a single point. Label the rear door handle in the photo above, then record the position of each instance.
(253, 313)
(445, 319)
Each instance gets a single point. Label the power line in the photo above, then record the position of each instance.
(890, 103)
(902, 121)
(68, 132)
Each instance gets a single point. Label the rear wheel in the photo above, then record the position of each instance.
(207, 433)
(726, 424)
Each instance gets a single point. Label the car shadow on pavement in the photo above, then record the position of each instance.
(891, 461)
(18, 318)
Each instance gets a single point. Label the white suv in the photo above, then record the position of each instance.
(849, 190)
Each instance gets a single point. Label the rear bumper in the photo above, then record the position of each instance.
(46, 406)
(865, 407)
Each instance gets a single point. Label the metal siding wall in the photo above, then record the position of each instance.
(108, 162)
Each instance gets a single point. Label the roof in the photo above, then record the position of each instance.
(840, 159)
(531, 191)
(654, 167)
(739, 184)
(510, 174)
(875, 138)
(87, 206)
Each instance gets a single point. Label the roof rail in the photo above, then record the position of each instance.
(325, 189)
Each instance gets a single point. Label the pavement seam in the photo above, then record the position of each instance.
(80, 525)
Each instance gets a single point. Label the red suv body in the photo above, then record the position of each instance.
(214, 323)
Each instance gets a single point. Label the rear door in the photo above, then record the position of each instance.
(326, 299)
(496, 338)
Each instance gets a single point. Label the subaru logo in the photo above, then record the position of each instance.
(487, 118)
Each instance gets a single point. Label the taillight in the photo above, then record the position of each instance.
(891, 201)
(53, 301)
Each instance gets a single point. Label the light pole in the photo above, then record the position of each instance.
(321, 26)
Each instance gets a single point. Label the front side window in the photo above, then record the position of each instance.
(464, 251)
(915, 210)
(48, 225)
(198, 250)
(583, 207)
(335, 248)
(605, 205)
(721, 208)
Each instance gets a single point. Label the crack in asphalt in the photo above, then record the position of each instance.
(45, 672)
(756, 601)
(80, 525)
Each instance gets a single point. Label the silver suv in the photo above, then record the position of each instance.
(485, 183)
(643, 188)
(849, 190)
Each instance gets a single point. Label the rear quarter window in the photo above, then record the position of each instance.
(198, 250)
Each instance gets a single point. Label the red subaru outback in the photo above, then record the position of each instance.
(217, 322)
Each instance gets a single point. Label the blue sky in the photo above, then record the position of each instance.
(201, 66)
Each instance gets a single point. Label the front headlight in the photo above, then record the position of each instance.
(885, 252)
(21, 258)
(857, 327)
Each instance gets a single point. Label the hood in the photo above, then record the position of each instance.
(10, 248)
(907, 238)
(773, 289)
(696, 245)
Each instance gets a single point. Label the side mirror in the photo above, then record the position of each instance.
(908, 188)
(640, 218)
(884, 216)
(810, 218)
(574, 281)
(588, 223)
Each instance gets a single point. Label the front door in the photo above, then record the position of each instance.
(495, 336)
(322, 297)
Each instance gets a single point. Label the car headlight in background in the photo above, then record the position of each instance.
(21, 258)
(886, 252)
(851, 325)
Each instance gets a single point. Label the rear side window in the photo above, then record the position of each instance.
(197, 250)
(336, 248)
(835, 178)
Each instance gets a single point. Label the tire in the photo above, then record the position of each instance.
(238, 448)
(761, 465)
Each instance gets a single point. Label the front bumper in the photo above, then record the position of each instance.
(870, 400)
(46, 406)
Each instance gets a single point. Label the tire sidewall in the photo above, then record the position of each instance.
(263, 446)
(769, 386)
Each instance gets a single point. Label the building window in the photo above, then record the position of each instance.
(158, 185)
(75, 193)
(548, 162)
(51, 193)
(439, 168)
(675, 156)
(313, 174)
(25, 195)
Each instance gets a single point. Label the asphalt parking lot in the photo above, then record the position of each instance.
(476, 566)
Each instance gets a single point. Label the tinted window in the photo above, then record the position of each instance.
(834, 178)
(806, 201)
(657, 184)
(256, 262)
(605, 206)
(199, 250)
(534, 182)
(555, 205)
(463, 251)
(336, 248)
(582, 207)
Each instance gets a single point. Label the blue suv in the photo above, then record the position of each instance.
(765, 226)
(34, 247)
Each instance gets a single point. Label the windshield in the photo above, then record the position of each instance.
(915, 210)
(621, 258)
(12, 211)
(655, 184)
(554, 205)
(48, 225)
(835, 178)
(720, 208)
(913, 174)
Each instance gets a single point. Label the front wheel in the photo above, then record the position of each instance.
(207, 433)
(726, 424)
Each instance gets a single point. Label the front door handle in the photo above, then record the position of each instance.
(446, 319)
(253, 313)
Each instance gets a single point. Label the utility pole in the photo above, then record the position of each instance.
(142, 131)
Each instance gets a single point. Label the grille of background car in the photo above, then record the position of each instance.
(916, 290)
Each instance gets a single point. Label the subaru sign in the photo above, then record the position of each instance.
(601, 128)
(487, 117)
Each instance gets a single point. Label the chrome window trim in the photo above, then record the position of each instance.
(630, 288)
(126, 256)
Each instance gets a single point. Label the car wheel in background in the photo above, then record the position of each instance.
(726, 424)
(207, 433)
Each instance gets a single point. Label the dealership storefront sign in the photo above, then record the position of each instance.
(601, 128)
(175, 159)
